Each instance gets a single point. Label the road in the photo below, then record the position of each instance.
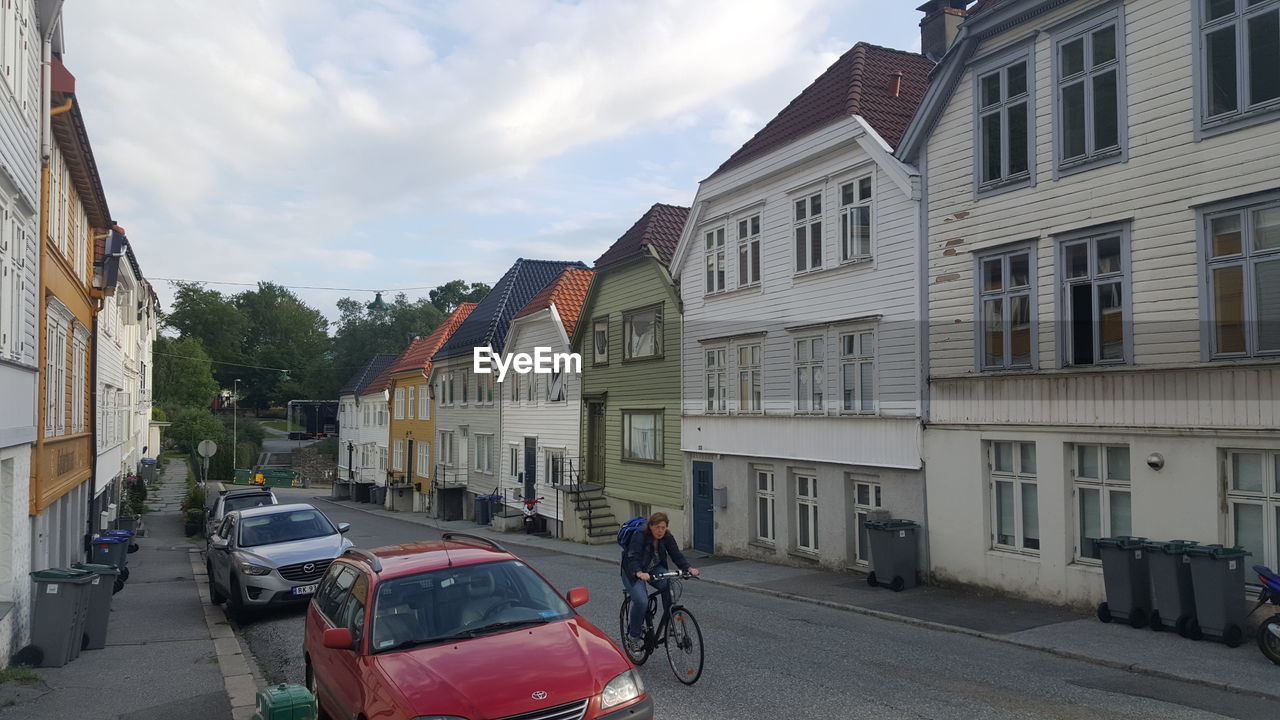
(774, 658)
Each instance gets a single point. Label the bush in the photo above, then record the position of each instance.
(271, 414)
(135, 497)
(327, 447)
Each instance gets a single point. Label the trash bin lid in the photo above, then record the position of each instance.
(1124, 542)
(891, 524)
(1218, 551)
(1169, 547)
(110, 539)
(118, 533)
(148, 461)
(62, 575)
(96, 568)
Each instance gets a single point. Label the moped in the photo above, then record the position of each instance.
(1269, 630)
(531, 514)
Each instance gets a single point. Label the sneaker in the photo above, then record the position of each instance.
(635, 644)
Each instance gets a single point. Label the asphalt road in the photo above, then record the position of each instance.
(774, 658)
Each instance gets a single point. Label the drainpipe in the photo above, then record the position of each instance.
(92, 423)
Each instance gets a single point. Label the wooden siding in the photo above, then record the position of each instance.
(636, 384)
(554, 424)
(415, 428)
(477, 418)
(1167, 172)
(20, 155)
(865, 441)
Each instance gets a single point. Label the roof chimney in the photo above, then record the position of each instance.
(895, 83)
(938, 29)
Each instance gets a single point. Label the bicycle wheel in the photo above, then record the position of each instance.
(624, 620)
(684, 646)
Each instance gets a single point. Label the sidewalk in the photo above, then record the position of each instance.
(162, 659)
(998, 619)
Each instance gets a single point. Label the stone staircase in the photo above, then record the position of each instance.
(594, 512)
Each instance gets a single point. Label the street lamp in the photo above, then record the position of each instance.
(235, 411)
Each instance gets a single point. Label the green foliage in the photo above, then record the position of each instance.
(450, 295)
(283, 332)
(361, 333)
(192, 426)
(135, 497)
(327, 447)
(183, 373)
(275, 413)
(18, 673)
(158, 414)
(214, 320)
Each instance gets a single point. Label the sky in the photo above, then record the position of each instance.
(387, 144)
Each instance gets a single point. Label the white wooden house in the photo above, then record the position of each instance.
(798, 277)
(363, 425)
(1103, 212)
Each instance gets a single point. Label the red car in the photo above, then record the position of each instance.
(460, 629)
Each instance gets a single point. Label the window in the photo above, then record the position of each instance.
(749, 381)
(466, 380)
(484, 388)
(1014, 497)
(810, 379)
(513, 384)
(766, 506)
(855, 220)
(513, 461)
(1242, 252)
(642, 330)
(484, 453)
(600, 341)
(78, 379)
(382, 459)
(1239, 72)
(807, 513)
(446, 448)
(555, 466)
(807, 228)
(642, 435)
(397, 454)
(424, 403)
(13, 290)
(1094, 272)
(409, 402)
(1253, 496)
(1004, 128)
(56, 330)
(399, 404)
(714, 240)
(1006, 294)
(1102, 495)
(858, 372)
(1090, 83)
(866, 500)
(532, 384)
(555, 386)
(422, 468)
(367, 410)
(749, 251)
(717, 402)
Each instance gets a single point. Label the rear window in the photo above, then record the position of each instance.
(284, 527)
(241, 502)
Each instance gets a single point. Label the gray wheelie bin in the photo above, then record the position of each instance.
(1127, 580)
(112, 550)
(1217, 575)
(1171, 591)
(60, 604)
(893, 554)
(101, 588)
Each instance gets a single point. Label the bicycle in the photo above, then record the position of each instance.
(678, 630)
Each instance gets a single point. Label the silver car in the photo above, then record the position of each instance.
(271, 555)
(233, 498)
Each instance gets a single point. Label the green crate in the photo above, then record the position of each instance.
(285, 702)
(243, 476)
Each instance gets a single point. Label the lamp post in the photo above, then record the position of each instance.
(235, 430)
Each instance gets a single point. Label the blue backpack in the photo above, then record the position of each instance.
(629, 529)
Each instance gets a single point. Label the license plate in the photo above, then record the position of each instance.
(305, 589)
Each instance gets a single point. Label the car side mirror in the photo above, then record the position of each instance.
(579, 597)
(343, 527)
(338, 639)
(219, 544)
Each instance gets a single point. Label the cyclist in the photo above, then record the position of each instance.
(647, 551)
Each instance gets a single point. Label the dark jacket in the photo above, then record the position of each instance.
(640, 555)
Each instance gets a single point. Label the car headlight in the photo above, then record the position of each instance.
(627, 686)
(251, 569)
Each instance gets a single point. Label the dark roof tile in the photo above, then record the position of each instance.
(658, 228)
(367, 374)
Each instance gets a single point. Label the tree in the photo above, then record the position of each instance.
(216, 322)
(285, 348)
(183, 374)
(447, 297)
(361, 332)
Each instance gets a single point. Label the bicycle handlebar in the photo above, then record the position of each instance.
(671, 575)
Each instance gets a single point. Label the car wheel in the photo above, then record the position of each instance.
(215, 596)
(235, 603)
(310, 679)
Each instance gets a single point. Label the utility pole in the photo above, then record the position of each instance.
(235, 434)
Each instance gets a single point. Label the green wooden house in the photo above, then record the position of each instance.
(629, 339)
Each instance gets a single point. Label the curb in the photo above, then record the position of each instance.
(879, 614)
(240, 676)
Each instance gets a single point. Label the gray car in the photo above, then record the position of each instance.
(271, 555)
(232, 498)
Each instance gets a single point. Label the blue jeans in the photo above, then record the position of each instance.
(639, 593)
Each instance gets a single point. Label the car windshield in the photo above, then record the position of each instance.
(241, 502)
(284, 527)
(460, 603)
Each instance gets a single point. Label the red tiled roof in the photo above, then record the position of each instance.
(567, 293)
(418, 355)
(861, 83)
(659, 228)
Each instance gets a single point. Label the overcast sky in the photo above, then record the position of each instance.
(402, 143)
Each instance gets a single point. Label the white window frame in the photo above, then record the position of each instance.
(806, 505)
(655, 324)
(854, 247)
(600, 341)
(1267, 497)
(766, 505)
(1019, 476)
(447, 451)
(1245, 113)
(862, 509)
(715, 268)
(750, 369)
(399, 404)
(484, 452)
(397, 455)
(715, 390)
(806, 232)
(1247, 261)
(409, 402)
(858, 354)
(556, 470)
(80, 363)
(810, 376)
(627, 429)
(749, 251)
(424, 402)
(557, 392)
(1094, 279)
(1105, 486)
(423, 465)
(513, 460)
(57, 332)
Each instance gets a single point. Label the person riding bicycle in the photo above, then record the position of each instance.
(647, 551)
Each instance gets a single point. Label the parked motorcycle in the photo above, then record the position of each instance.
(1269, 630)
